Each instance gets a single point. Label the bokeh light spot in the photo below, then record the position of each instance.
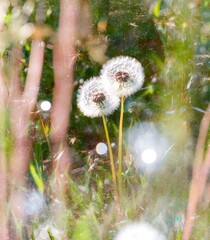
(149, 156)
(45, 106)
(101, 148)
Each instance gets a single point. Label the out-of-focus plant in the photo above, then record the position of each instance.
(23, 31)
(46, 190)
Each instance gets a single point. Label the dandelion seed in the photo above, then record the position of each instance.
(94, 100)
(139, 231)
(124, 74)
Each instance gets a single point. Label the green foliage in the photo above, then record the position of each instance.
(157, 8)
(37, 177)
(174, 54)
(50, 235)
(83, 229)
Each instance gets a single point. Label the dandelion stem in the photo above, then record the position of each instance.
(111, 158)
(120, 146)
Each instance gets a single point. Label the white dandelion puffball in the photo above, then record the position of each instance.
(139, 231)
(94, 100)
(124, 74)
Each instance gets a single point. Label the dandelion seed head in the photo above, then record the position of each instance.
(122, 77)
(94, 100)
(139, 231)
(124, 74)
(99, 97)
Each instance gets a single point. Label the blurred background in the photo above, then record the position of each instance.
(161, 122)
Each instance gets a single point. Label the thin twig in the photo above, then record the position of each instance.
(3, 160)
(204, 173)
(204, 126)
(120, 164)
(200, 172)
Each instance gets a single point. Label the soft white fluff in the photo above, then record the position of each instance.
(85, 99)
(139, 231)
(127, 65)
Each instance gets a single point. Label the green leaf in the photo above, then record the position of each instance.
(50, 235)
(32, 236)
(149, 91)
(37, 178)
(179, 235)
(156, 10)
(83, 229)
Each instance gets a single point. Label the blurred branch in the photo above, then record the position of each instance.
(63, 61)
(24, 104)
(200, 173)
(3, 159)
(34, 74)
(14, 84)
(21, 108)
(204, 172)
(3, 9)
(204, 126)
(3, 88)
(3, 162)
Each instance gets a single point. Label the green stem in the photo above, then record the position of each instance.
(111, 159)
(120, 146)
(46, 136)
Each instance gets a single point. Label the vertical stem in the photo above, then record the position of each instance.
(45, 134)
(111, 158)
(120, 146)
(3, 157)
(21, 106)
(64, 56)
(200, 172)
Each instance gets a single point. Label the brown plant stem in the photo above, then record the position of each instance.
(63, 62)
(21, 109)
(21, 106)
(200, 172)
(15, 89)
(3, 160)
(204, 172)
